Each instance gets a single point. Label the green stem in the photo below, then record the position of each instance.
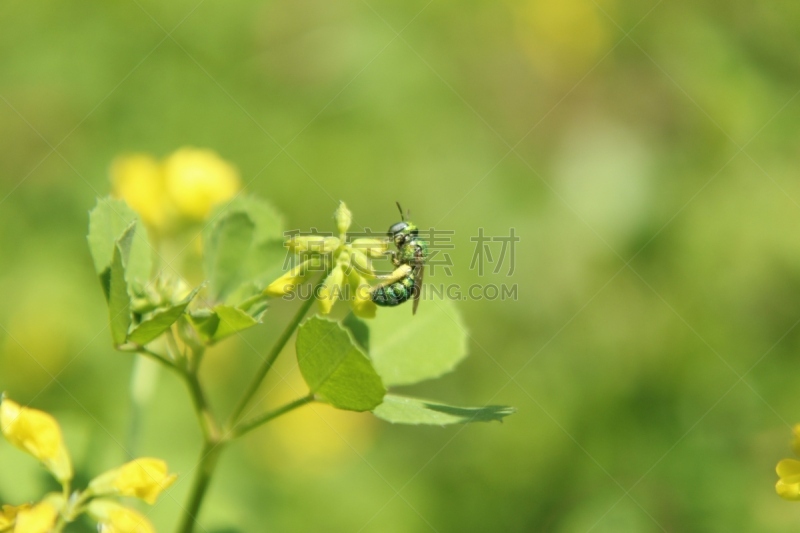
(205, 417)
(209, 457)
(269, 361)
(253, 423)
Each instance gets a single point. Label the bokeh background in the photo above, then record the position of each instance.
(646, 153)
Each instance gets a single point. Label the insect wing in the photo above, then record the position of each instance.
(417, 287)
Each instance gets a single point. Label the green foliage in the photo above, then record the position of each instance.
(222, 321)
(119, 300)
(243, 245)
(159, 321)
(402, 410)
(335, 368)
(108, 220)
(407, 349)
(229, 241)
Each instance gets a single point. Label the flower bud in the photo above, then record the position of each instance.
(371, 247)
(319, 244)
(116, 518)
(37, 433)
(361, 264)
(331, 290)
(198, 180)
(343, 218)
(361, 303)
(288, 281)
(143, 478)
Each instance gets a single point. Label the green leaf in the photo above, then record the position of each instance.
(119, 301)
(407, 349)
(239, 260)
(358, 329)
(107, 222)
(402, 410)
(227, 245)
(268, 222)
(223, 321)
(335, 368)
(159, 322)
(231, 320)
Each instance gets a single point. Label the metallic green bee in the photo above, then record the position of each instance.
(409, 261)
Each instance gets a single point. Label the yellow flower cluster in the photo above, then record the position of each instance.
(183, 188)
(39, 434)
(788, 486)
(348, 266)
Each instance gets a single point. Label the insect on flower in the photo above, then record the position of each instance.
(409, 261)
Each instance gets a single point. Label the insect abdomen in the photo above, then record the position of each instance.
(394, 293)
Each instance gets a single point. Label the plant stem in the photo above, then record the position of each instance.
(269, 361)
(209, 457)
(253, 423)
(205, 417)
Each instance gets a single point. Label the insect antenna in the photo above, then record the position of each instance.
(402, 217)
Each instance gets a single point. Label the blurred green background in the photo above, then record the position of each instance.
(646, 154)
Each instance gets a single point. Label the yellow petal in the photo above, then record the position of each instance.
(9, 513)
(37, 519)
(37, 433)
(361, 263)
(343, 218)
(139, 181)
(371, 247)
(143, 478)
(789, 470)
(198, 180)
(361, 302)
(788, 491)
(116, 518)
(288, 281)
(331, 290)
(313, 244)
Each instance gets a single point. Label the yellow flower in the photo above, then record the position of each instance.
(143, 478)
(788, 486)
(351, 266)
(288, 281)
(9, 513)
(116, 518)
(796, 439)
(139, 180)
(198, 180)
(331, 289)
(37, 433)
(37, 519)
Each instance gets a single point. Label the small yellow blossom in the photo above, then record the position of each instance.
(788, 486)
(37, 519)
(331, 289)
(139, 180)
(288, 281)
(371, 247)
(9, 513)
(184, 187)
(116, 518)
(143, 478)
(37, 433)
(198, 180)
(347, 278)
(303, 244)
